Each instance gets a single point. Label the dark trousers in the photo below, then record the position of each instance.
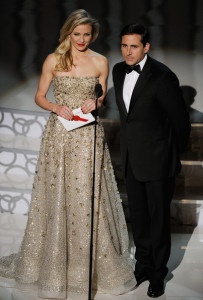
(149, 207)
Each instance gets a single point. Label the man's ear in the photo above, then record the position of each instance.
(146, 47)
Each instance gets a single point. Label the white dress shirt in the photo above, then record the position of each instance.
(129, 83)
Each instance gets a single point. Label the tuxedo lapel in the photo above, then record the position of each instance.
(140, 84)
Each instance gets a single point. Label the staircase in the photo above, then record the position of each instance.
(20, 136)
(187, 203)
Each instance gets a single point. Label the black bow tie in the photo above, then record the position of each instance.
(129, 68)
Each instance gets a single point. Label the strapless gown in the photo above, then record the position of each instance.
(54, 254)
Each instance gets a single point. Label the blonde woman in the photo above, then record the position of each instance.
(54, 255)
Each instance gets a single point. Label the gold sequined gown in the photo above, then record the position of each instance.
(54, 254)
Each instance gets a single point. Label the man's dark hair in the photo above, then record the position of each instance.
(136, 29)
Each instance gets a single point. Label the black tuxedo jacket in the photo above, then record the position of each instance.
(156, 129)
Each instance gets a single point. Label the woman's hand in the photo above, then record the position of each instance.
(88, 106)
(63, 111)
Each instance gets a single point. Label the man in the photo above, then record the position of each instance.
(154, 131)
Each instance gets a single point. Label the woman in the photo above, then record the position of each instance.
(54, 255)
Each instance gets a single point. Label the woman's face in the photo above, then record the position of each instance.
(81, 37)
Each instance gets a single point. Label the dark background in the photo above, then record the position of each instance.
(29, 31)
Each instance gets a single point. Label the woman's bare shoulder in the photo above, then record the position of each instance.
(98, 57)
(51, 59)
(50, 63)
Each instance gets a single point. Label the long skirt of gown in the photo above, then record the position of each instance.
(54, 254)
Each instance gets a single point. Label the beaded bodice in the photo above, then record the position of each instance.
(73, 91)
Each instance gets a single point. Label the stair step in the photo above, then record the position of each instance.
(19, 142)
(24, 123)
(15, 193)
(15, 202)
(188, 192)
(13, 182)
(187, 211)
(184, 211)
(18, 162)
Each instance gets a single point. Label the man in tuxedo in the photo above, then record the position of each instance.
(155, 129)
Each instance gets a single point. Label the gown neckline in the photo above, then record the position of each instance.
(78, 77)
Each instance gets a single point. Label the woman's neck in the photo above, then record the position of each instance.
(79, 54)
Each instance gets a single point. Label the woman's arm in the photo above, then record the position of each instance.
(103, 67)
(43, 87)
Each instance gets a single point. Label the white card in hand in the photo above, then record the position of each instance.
(80, 120)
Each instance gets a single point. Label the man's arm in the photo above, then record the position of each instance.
(171, 100)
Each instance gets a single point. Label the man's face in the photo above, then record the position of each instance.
(132, 48)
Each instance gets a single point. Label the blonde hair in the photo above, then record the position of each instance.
(63, 51)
